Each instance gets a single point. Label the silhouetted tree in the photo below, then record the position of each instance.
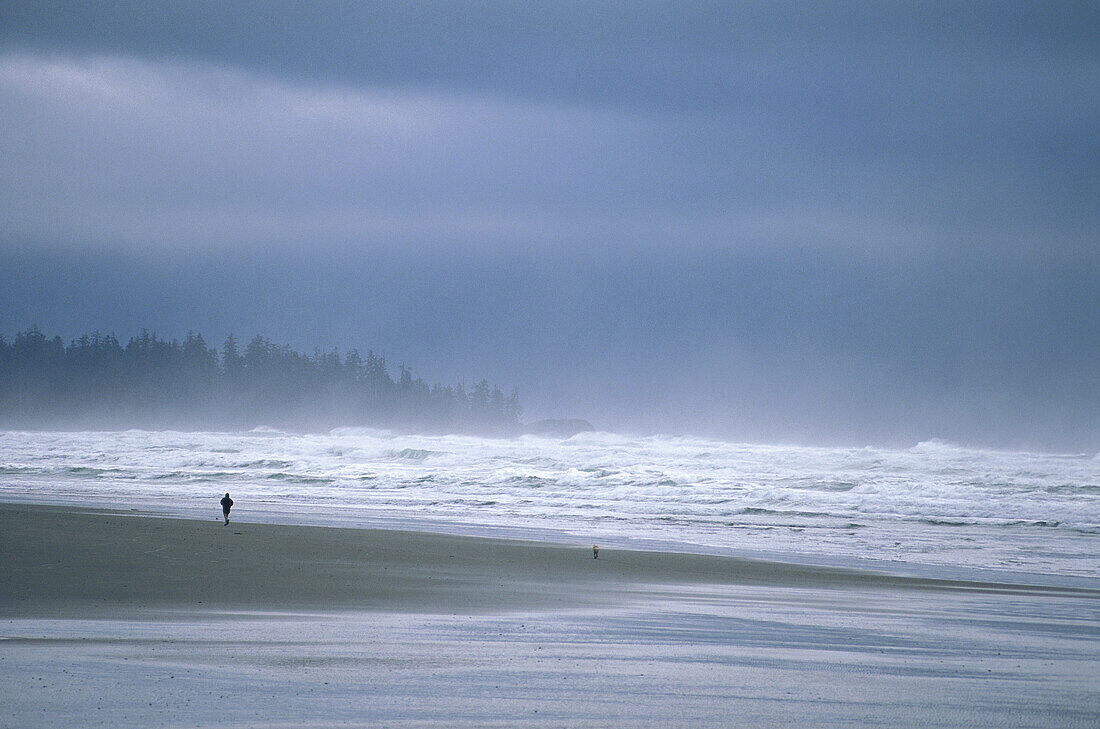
(156, 382)
(232, 361)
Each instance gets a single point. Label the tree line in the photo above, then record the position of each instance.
(97, 382)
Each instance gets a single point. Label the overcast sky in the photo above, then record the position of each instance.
(813, 222)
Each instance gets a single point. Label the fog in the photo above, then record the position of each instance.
(774, 222)
(835, 349)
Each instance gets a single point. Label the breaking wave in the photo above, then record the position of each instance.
(935, 502)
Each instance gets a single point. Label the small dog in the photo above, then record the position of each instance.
(595, 551)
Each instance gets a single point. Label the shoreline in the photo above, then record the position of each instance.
(66, 561)
(930, 511)
(113, 619)
(375, 520)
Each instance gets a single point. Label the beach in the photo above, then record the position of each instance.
(118, 619)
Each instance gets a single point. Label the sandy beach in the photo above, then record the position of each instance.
(110, 619)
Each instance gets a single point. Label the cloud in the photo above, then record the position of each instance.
(115, 150)
(813, 220)
(689, 54)
(109, 149)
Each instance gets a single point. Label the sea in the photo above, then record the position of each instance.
(934, 508)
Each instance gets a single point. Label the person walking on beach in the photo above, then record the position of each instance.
(227, 504)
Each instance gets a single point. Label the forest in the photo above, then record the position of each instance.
(96, 382)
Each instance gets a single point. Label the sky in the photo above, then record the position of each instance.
(827, 222)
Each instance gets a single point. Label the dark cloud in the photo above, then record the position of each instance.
(111, 150)
(926, 122)
(688, 54)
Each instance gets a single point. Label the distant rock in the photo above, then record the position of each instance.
(559, 427)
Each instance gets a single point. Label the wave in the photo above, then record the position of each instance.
(825, 485)
(948, 522)
(299, 478)
(997, 523)
(936, 496)
(358, 432)
(92, 471)
(264, 463)
(414, 454)
(760, 511)
(601, 437)
(937, 445)
(534, 482)
(196, 476)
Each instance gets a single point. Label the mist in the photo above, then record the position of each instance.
(818, 350)
(765, 222)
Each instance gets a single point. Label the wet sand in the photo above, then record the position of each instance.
(119, 620)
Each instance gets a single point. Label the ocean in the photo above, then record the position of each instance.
(932, 507)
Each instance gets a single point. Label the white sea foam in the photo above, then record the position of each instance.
(935, 503)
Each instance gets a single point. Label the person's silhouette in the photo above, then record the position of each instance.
(227, 504)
